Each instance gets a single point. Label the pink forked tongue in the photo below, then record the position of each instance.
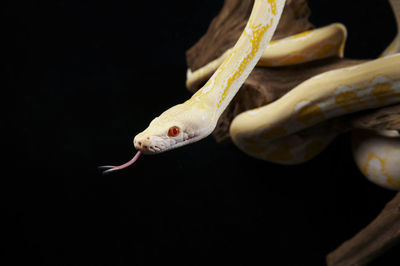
(112, 168)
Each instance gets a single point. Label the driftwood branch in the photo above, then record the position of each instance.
(387, 118)
(379, 236)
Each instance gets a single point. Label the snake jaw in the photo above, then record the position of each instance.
(151, 144)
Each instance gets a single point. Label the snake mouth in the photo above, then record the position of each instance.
(162, 147)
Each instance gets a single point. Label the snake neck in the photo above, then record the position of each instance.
(220, 89)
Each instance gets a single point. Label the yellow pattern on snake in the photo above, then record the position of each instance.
(300, 48)
(325, 96)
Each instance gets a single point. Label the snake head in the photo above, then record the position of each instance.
(178, 126)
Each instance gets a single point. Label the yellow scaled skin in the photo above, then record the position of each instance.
(334, 93)
(307, 46)
(300, 48)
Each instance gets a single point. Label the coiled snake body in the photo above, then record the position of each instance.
(271, 132)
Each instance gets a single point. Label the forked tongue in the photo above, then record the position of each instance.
(112, 168)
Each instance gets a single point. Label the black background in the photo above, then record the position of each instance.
(86, 76)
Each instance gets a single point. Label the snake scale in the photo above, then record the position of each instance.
(274, 132)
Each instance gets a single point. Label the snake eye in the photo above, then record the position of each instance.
(173, 131)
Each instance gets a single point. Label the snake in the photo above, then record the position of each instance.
(286, 130)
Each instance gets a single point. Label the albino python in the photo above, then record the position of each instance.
(274, 132)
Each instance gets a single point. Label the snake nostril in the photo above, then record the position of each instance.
(140, 144)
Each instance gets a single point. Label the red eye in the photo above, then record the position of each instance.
(173, 131)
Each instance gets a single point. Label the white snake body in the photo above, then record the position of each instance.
(286, 131)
